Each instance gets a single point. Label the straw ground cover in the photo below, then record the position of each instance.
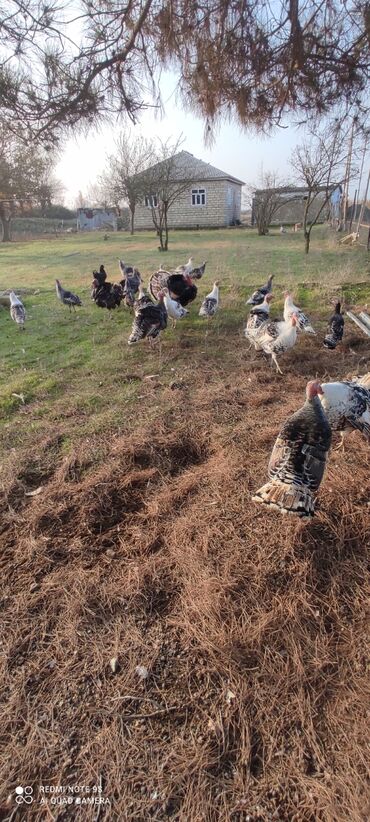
(143, 545)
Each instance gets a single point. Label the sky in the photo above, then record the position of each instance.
(234, 150)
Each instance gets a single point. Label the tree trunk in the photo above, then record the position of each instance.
(132, 212)
(6, 224)
(306, 241)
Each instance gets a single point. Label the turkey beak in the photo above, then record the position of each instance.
(319, 389)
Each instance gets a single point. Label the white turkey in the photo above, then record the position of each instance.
(303, 321)
(257, 316)
(276, 338)
(298, 459)
(210, 303)
(347, 405)
(174, 309)
(17, 310)
(259, 295)
(150, 320)
(335, 329)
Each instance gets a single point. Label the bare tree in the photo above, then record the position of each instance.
(319, 164)
(165, 182)
(25, 178)
(267, 198)
(123, 179)
(74, 62)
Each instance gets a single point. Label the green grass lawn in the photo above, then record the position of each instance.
(77, 370)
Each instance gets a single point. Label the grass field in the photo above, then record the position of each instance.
(142, 544)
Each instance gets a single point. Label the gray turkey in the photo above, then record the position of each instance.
(198, 272)
(17, 310)
(150, 320)
(259, 295)
(131, 279)
(335, 329)
(298, 459)
(66, 297)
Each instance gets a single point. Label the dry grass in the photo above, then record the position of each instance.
(252, 627)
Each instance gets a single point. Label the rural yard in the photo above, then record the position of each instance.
(178, 650)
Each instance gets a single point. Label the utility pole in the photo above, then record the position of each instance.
(347, 175)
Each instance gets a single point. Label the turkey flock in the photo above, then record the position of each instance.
(299, 456)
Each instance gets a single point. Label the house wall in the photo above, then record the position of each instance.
(292, 211)
(219, 210)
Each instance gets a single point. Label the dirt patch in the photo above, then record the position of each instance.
(251, 628)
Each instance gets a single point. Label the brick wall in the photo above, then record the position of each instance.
(219, 210)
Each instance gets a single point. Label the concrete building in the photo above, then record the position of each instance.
(211, 200)
(93, 219)
(293, 201)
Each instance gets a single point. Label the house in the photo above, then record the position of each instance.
(293, 200)
(91, 219)
(211, 200)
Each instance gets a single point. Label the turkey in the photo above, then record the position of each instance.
(210, 303)
(149, 321)
(105, 294)
(198, 272)
(174, 308)
(141, 299)
(180, 286)
(298, 459)
(303, 321)
(276, 338)
(282, 230)
(335, 329)
(131, 279)
(347, 405)
(257, 316)
(17, 310)
(259, 295)
(66, 297)
(185, 269)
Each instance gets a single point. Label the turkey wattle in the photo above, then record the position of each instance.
(303, 321)
(298, 459)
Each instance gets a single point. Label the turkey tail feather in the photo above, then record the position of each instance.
(289, 499)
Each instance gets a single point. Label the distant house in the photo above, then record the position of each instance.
(212, 199)
(293, 200)
(92, 219)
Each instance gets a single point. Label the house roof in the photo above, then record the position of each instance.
(188, 166)
(294, 189)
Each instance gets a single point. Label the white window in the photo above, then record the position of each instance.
(151, 200)
(198, 196)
